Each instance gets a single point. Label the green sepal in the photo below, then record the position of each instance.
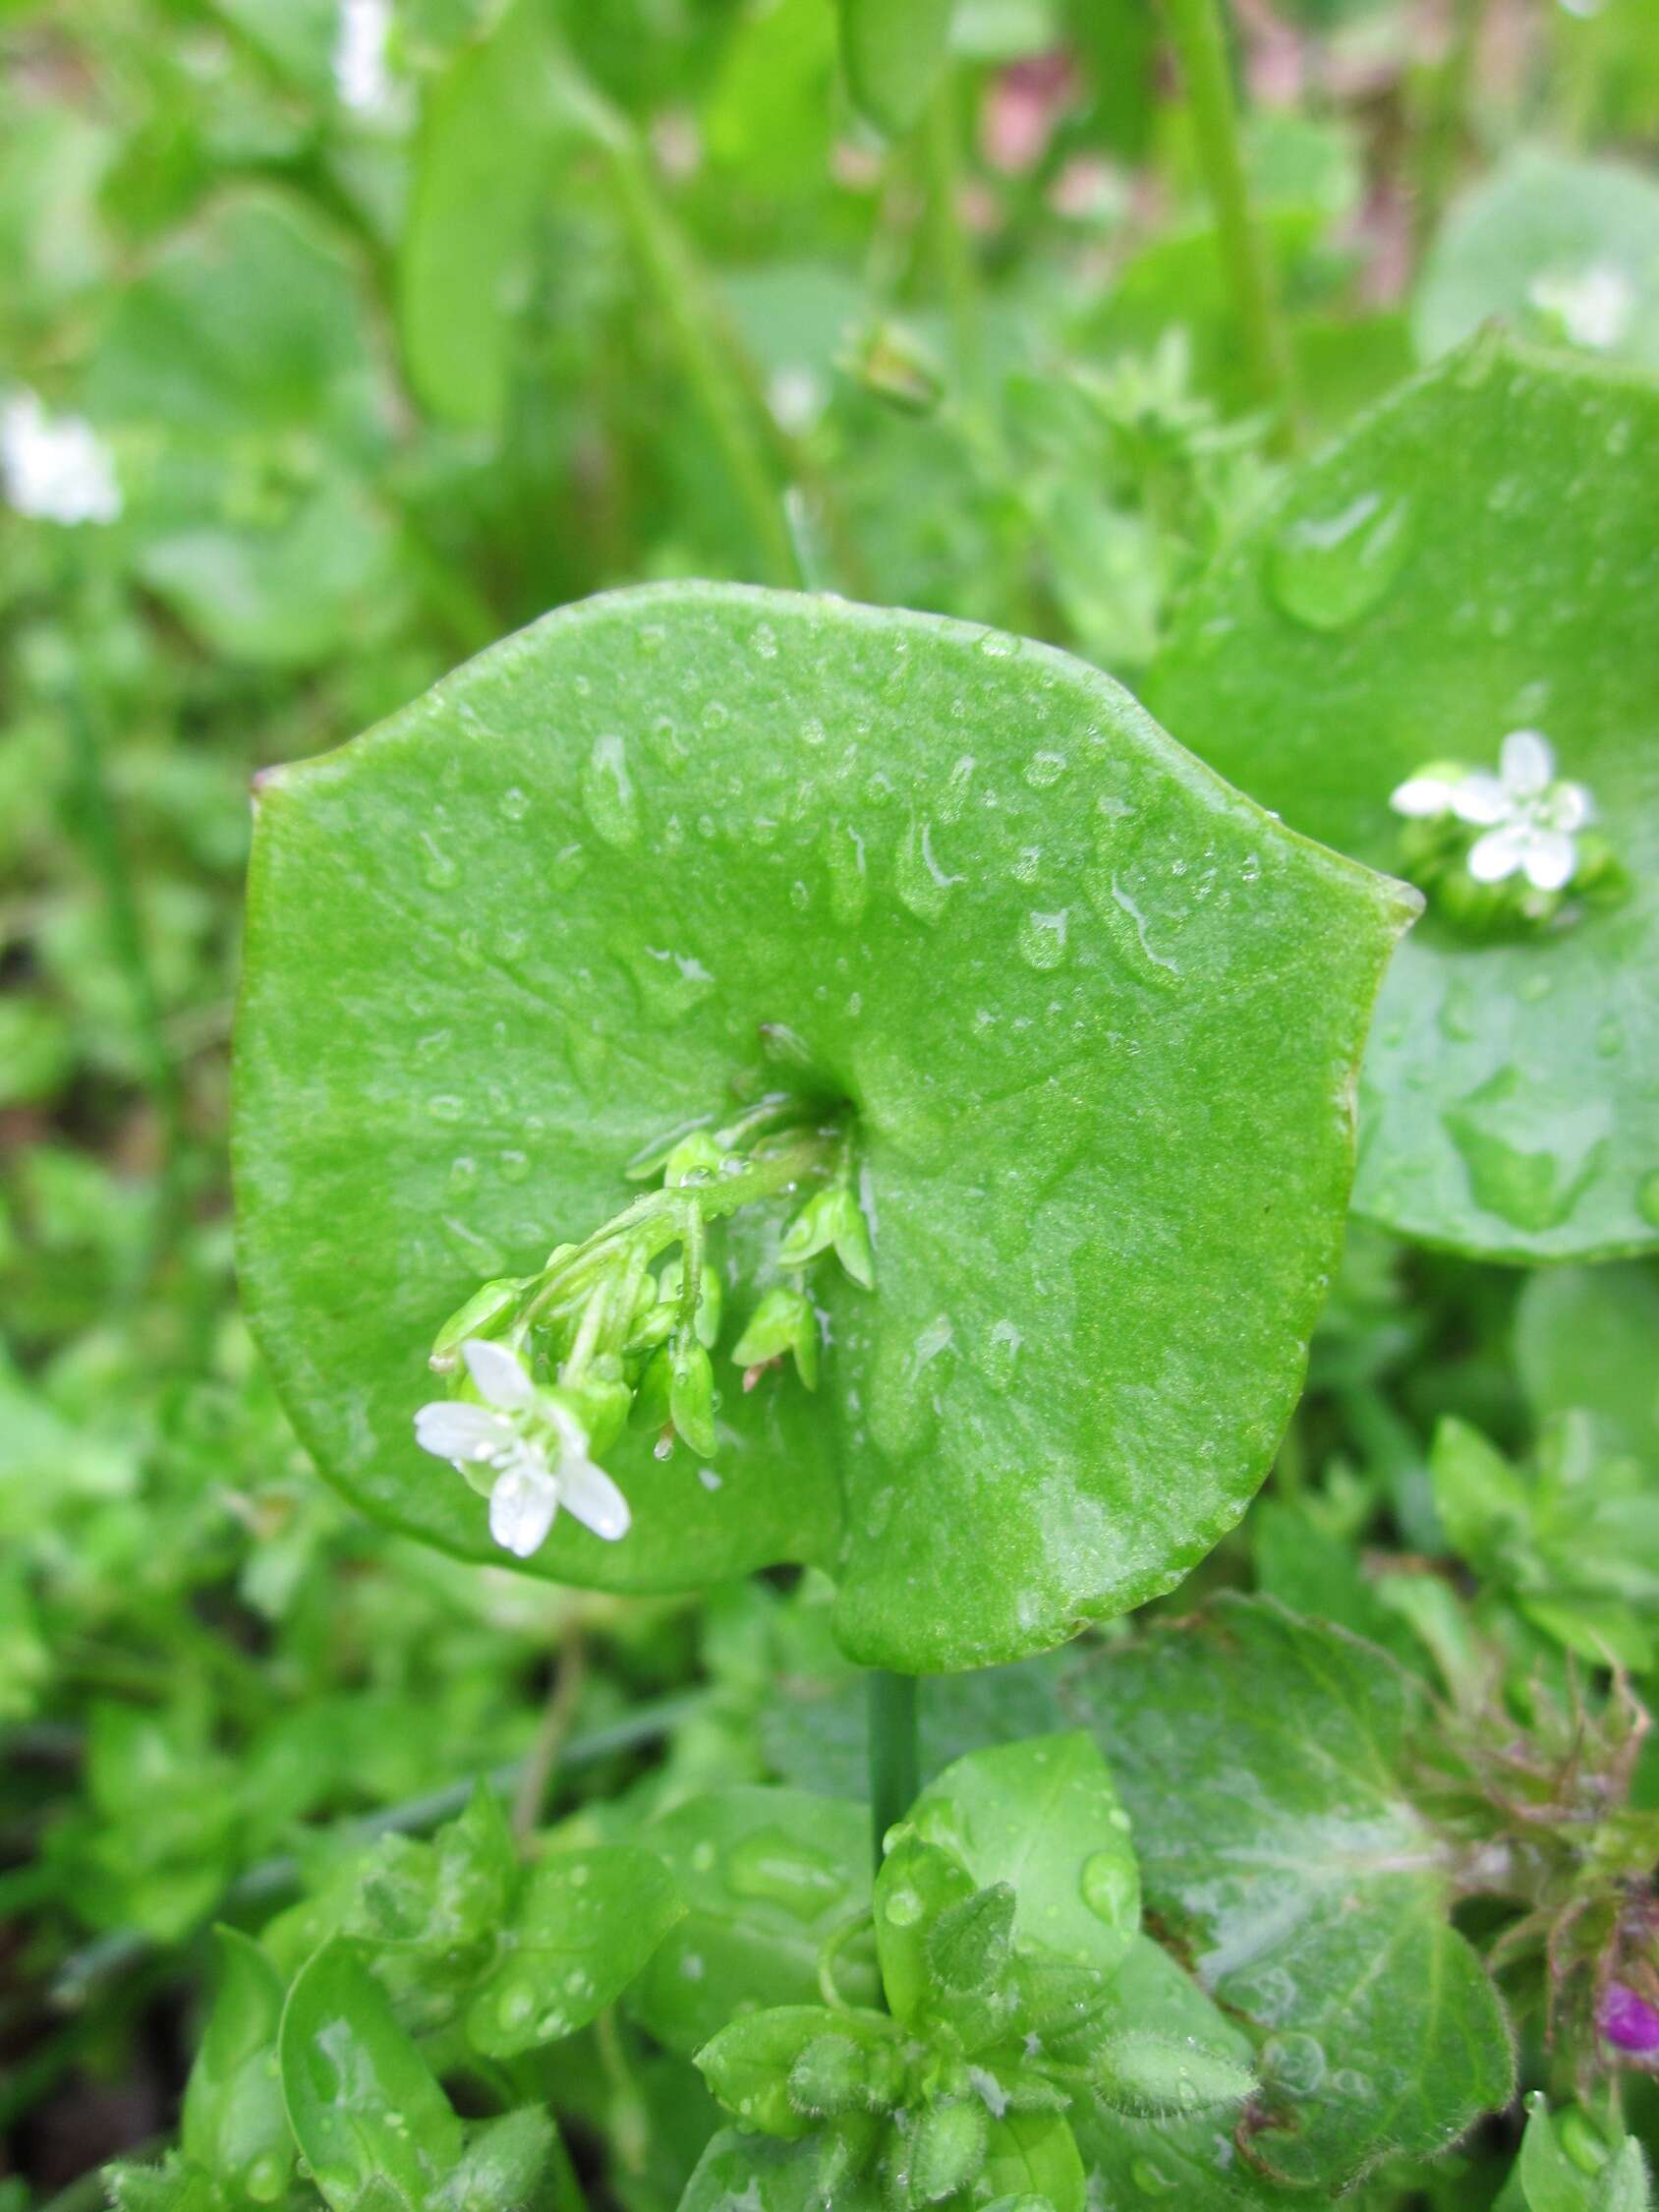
(479, 1315)
(946, 2150)
(770, 2069)
(783, 1323)
(690, 1394)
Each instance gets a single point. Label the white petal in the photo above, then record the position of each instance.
(1423, 797)
(1568, 807)
(1499, 854)
(497, 1373)
(1549, 859)
(1481, 800)
(522, 1506)
(452, 1430)
(1526, 762)
(590, 1493)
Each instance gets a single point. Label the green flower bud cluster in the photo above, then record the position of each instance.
(624, 1326)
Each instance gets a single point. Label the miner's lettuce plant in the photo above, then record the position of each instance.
(798, 1157)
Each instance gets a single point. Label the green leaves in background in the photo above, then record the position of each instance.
(563, 897)
(1583, 1338)
(892, 53)
(1568, 2163)
(1262, 1757)
(234, 2124)
(1417, 591)
(768, 1876)
(1563, 250)
(238, 377)
(488, 122)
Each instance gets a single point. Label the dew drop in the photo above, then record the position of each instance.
(923, 884)
(1111, 1887)
(1647, 1197)
(437, 870)
(515, 1166)
(265, 2178)
(1044, 770)
(515, 2005)
(849, 889)
(444, 1106)
(608, 793)
(772, 1868)
(764, 642)
(813, 732)
(514, 803)
(1327, 571)
(998, 645)
(903, 1907)
(1150, 2179)
(463, 1175)
(1294, 2061)
(1042, 939)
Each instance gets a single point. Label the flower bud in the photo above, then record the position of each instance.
(484, 1315)
(946, 2151)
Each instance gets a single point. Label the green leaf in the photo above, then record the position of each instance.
(1482, 1503)
(171, 2186)
(767, 1876)
(362, 2101)
(584, 1924)
(1566, 2165)
(1563, 250)
(1419, 590)
(892, 54)
(740, 2173)
(775, 2070)
(1034, 2154)
(234, 2122)
(1187, 2157)
(1583, 1338)
(918, 1886)
(1261, 1756)
(1043, 1816)
(1033, 1403)
(247, 323)
(489, 125)
(1162, 2076)
(507, 2162)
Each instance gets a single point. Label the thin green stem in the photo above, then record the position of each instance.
(659, 1218)
(951, 245)
(895, 1760)
(1202, 46)
(1443, 133)
(705, 345)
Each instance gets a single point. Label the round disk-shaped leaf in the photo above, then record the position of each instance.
(1097, 1019)
(1477, 556)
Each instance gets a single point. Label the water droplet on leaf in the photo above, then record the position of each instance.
(1327, 571)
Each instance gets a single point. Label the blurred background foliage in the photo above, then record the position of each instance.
(396, 345)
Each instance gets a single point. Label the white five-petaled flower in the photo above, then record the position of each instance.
(535, 1449)
(1530, 817)
(362, 74)
(1594, 304)
(55, 468)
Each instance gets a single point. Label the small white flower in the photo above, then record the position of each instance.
(1594, 304)
(535, 1449)
(55, 469)
(1529, 817)
(362, 74)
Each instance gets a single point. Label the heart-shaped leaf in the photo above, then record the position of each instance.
(1094, 1016)
(1475, 557)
